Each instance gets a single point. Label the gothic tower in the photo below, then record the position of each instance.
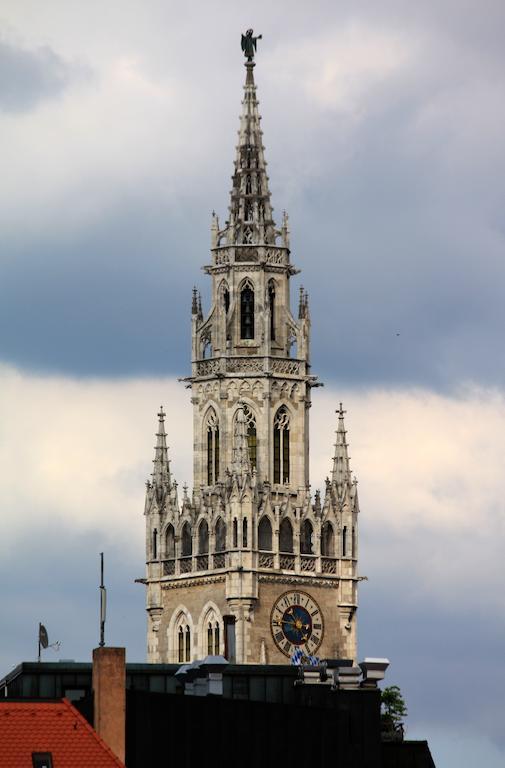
(250, 566)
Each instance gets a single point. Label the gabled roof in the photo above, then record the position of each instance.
(56, 727)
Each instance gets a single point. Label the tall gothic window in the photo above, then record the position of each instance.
(327, 540)
(265, 535)
(344, 541)
(271, 304)
(244, 532)
(247, 312)
(183, 639)
(212, 448)
(235, 534)
(170, 543)
(203, 538)
(281, 446)
(186, 541)
(286, 536)
(353, 542)
(220, 534)
(155, 544)
(187, 643)
(306, 546)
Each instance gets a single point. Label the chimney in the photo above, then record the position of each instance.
(109, 697)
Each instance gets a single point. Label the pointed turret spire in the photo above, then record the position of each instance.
(162, 482)
(241, 463)
(251, 221)
(341, 472)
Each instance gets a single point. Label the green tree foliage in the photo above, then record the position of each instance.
(393, 706)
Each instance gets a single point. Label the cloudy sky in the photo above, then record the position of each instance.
(384, 125)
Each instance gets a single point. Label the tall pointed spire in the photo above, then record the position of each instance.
(161, 471)
(251, 221)
(241, 463)
(341, 472)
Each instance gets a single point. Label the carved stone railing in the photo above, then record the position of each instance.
(168, 567)
(219, 560)
(186, 564)
(329, 564)
(245, 364)
(244, 253)
(308, 563)
(202, 562)
(265, 560)
(285, 366)
(208, 367)
(287, 562)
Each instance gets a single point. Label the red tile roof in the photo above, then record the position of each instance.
(56, 727)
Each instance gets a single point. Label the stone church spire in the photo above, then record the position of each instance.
(162, 482)
(341, 472)
(250, 211)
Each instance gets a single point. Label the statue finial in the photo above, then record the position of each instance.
(249, 44)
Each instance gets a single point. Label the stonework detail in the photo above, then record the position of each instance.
(218, 558)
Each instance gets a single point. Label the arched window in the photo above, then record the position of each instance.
(180, 643)
(235, 533)
(206, 347)
(281, 446)
(265, 535)
(248, 184)
(170, 543)
(344, 541)
(216, 639)
(155, 544)
(220, 533)
(271, 304)
(247, 311)
(203, 538)
(353, 542)
(252, 442)
(210, 639)
(188, 644)
(183, 639)
(306, 539)
(244, 532)
(327, 540)
(212, 425)
(186, 541)
(286, 536)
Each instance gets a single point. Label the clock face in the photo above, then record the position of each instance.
(296, 621)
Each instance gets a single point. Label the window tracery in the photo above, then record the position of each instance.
(247, 311)
(212, 428)
(281, 445)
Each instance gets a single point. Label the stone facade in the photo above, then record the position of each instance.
(218, 560)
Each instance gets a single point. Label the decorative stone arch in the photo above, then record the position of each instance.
(181, 619)
(257, 391)
(210, 644)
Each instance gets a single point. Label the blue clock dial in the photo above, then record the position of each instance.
(296, 621)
